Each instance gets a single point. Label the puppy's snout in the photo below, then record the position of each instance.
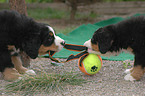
(62, 43)
(88, 43)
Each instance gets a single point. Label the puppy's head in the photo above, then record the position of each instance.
(101, 41)
(50, 42)
(42, 41)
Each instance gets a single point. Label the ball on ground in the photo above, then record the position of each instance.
(90, 64)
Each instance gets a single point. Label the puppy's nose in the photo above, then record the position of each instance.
(62, 43)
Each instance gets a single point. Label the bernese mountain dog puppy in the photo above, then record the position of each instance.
(21, 33)
(128, 34)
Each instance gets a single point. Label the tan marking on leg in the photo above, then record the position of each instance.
(137, 72)
(129, 49)
(11, 74)
(18, 64)
(95, 47)
(131, 70)
(43, 49)
(11, 47)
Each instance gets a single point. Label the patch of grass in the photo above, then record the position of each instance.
(44, 83)
(86, 15)
(39, 1)
(65, 30)
(126, 64)
(47, 13)
(81, 15)
(93, 15)
(2, 1)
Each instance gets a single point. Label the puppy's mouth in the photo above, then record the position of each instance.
(52, 51)
(90, 50)
(63, 43)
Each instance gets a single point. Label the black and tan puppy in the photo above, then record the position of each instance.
(19, 32)
(129, 35)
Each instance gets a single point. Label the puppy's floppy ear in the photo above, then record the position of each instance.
(105, 39)
(31, 46)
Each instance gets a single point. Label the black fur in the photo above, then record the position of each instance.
(22, 32)
(125, 34)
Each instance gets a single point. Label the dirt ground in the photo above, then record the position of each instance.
(108, 82)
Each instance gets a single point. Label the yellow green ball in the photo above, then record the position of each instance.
(90, 64)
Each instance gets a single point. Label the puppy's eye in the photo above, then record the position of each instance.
(51, 36)
(51, 33)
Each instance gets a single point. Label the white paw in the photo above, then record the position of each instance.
(129, 77)
(30, 72)
(20, 78)
(27, 74)
(127, 71)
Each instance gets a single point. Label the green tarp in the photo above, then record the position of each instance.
(84, 33)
